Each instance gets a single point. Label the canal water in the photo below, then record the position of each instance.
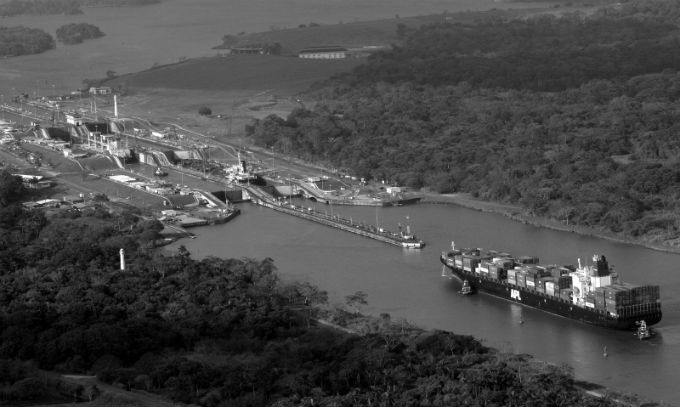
(408, 284)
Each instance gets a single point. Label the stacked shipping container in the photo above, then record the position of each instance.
(554, 280)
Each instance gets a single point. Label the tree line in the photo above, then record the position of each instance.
(76, 33)
(40, 7)
(543, 53)
(15, 41)
(13, 8)
(224, 332)
(539, 112)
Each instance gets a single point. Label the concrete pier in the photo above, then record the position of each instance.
(262, 198)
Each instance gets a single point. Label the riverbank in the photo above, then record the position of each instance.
(519, 214)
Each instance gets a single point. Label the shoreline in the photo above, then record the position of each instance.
(518, 214)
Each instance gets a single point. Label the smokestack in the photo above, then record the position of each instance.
(122, 259)
(115, 106)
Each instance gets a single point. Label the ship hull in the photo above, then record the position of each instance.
(551, 304)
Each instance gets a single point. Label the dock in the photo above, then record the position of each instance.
(262, 198)
(309, 191)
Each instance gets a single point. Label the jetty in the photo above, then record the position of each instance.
(310, 189)
(404, 240)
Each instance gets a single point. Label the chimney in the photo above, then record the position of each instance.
(122, 259)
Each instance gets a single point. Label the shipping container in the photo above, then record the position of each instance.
(483, 267)
(470, 263)
(521, 280)
(527, 260)
(565, 293)
(511, 280)
(540, 284)
(520, 276)
(564, 282)
(554, 271)
(550, 287)
(531, 270)
(504, 263)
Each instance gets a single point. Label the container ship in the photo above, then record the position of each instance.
(591, 294)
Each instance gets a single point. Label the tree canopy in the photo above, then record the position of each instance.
(15, 41)
(76, 33)
(221, 331)
(67, 7)
(570, 117)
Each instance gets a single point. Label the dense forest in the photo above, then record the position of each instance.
(120, 3)
(68, 7)
(15, 41)
(76, 33)
(571, 117)
(221, 332)
(40, 7)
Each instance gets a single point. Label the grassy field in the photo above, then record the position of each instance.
(285, 76)
(235, 88)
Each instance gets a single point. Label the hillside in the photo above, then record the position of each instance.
(358, 34)
(571, 117)
(244, 87)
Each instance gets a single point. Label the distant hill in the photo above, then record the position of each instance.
(285, 72)
(356, 34)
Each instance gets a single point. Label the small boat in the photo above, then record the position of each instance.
(466, 289)
(159, 172)
(643, 332)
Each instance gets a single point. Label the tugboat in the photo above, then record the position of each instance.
(643, 332)
(466, 289)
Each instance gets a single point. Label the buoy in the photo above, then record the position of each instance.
(521, 321)
(604, 352)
